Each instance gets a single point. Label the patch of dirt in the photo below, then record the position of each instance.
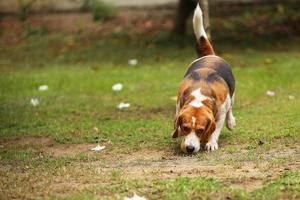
(70, 150)
(47, 145)
(243, 169)
(248, 174)
(29, 140)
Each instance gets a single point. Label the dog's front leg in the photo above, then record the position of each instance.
(212, 143)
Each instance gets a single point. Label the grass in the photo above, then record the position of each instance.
(285, 186)
(65, 114)
(80, 75)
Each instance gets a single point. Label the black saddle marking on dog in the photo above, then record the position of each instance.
(219, 65)
(195, 76)
(212, 76)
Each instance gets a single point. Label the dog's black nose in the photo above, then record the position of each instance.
(190, 149)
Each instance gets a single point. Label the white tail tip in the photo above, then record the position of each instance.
(198, 23)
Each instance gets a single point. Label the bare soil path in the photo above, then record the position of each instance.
(245, 169)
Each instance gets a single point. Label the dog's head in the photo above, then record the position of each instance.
(195, 125)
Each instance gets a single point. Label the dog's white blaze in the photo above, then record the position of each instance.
(192, 140)
(193, 121)
(199, 97)
(198, 23)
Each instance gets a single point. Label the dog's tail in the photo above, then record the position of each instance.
(203, 45)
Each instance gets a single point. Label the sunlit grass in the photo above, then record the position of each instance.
(80, 98)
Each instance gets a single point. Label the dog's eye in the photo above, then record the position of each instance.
(186, 129)
(199, 131)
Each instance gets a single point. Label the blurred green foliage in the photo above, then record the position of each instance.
(100, 10)
(24, 8)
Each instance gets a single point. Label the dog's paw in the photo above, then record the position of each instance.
(211, 146)
(230, 123)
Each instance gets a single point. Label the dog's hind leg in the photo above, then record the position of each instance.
(230, 119)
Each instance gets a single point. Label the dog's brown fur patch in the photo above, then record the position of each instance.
(204, 47)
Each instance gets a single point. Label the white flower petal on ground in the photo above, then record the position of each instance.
(43, 87)
(270, 93)
(34, 102)
(123, 105)
(132, 62)
(98, 148)
(117, 87)
(135, 197)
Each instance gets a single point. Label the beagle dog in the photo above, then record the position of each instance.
(205, 96)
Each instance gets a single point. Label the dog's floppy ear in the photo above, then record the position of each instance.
(210, 127)
(176, 126)
(175, 133)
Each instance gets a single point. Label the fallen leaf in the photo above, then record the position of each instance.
(135, 197)
(268, 61)
(95, 67)
(117, 87)
(34, 102)
(43, 87)
(132, 62)
(123, 105)
(158, 57)
(98, 148)
(270, 93)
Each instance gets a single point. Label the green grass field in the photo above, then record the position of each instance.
(44, 150)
